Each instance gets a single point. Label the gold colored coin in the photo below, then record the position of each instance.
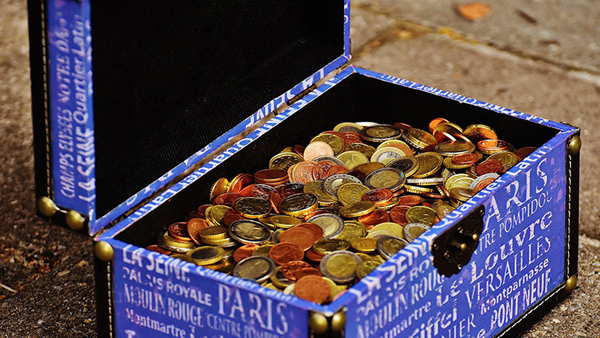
(380, 133)
(395, 228)
(284, 221)
(414, 230)
(316, 188)
(336, 142)
(366, 267)
(334, 182)
(348, 127)
(206, 255)
(285, 160)
(462, 194)
(397, 144)
(262, 250)
(331, 224)
(258, 268)
(328, 245)
(352, 230)
(387, 154)
(389, 178)
(413, 189)
(364, 244)
(350, 193)
(352, 158)
(221, 186)
(252, 207)
(217, 232)
(216, 213)
(429, 164)
(369, 167)
(340, 266)
(418, 138)
(421, 214)
(299, 205)
(388, 246)
(450, 165)
(365, 149)
(451, 148)
(357, 209)
(507, 158)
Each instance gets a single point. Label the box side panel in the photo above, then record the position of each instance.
(71, 137)
(38, 67)
(519, 261)
(156, 294)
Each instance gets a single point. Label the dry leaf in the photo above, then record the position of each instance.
(474, 11)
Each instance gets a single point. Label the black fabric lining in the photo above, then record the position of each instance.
(357, 98)
(171, 78)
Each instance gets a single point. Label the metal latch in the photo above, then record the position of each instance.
(452, 250)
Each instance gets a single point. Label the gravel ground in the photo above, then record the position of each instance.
(522, 56)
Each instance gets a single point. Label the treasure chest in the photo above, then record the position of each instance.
(142, 113)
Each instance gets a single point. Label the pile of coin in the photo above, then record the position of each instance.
(324, 215)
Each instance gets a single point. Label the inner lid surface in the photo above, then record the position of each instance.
(169, 78)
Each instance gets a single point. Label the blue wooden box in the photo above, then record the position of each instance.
(168, 112)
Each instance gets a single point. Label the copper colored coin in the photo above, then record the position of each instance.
(262, 191)
(247, 191)
(320, 169)
(194, 226)
(244, 251)
(299, 149)
(313, 289)
(350, 137)
(284, 252)
(317, 212)
(464, 159)
(524, 152)
(226, 199)
(337, 169)
(270, 175)
(303, 172)
(158, 249)
(315, 229)
(301, 236)
(290, 189)
(275, 199)
(290, 269)
(435, 122)
(492, 145)
(357, 173)
(317, 148)
(239, 182)
(484, 183)
(179, 231)
(231, 216)
(374, 218)
(308, 272)
(402, 126)
(378, 196)
(193, 214)
(409, 200)
(398, 214)
(202, 209)
(311, 255)
(488, 166)
(434, 195)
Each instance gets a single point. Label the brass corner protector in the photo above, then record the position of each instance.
(46, 206)
(574, 145)
(74, 220)
(104, 251)
(320, 324)
(571, 284)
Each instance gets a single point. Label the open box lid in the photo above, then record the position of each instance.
(140, 92)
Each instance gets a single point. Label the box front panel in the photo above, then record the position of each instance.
(157, 294)
(522, 243)
(519, 261)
